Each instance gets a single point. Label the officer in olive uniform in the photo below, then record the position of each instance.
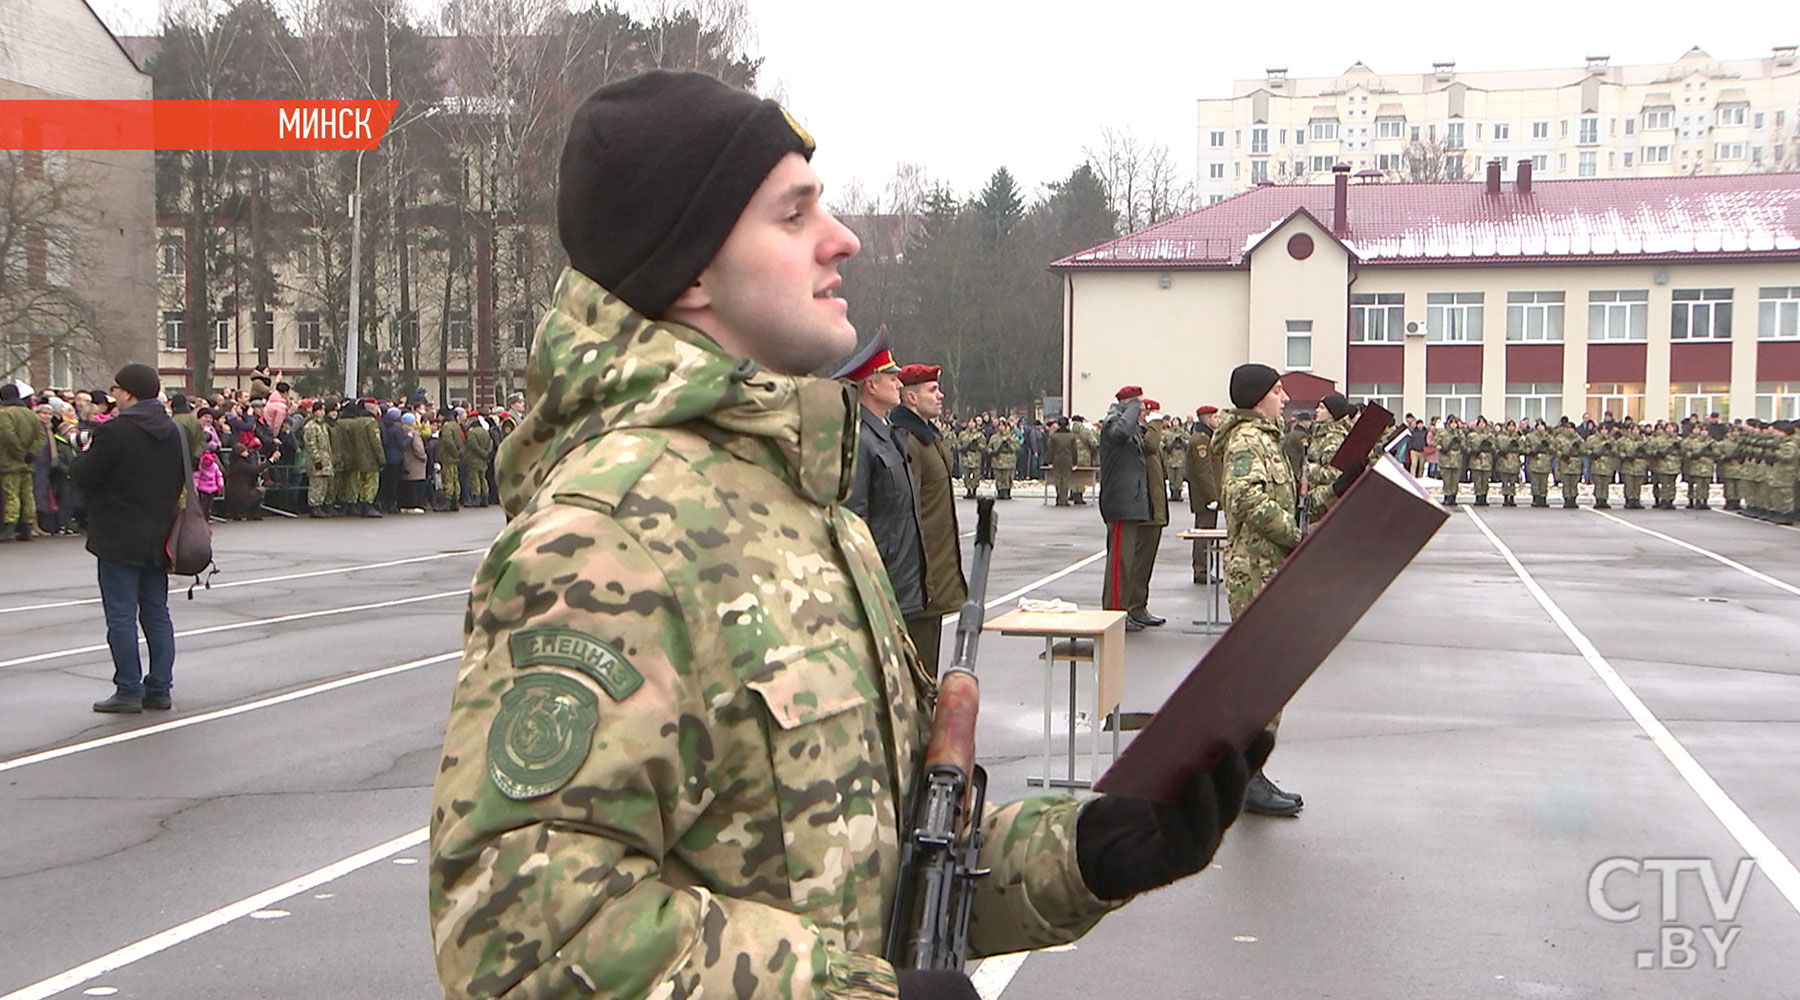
(1174, 455)
(1202, 482)
(1061, 448)
(1450, 444)
(1002, 447)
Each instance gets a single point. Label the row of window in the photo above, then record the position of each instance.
(1587, 162)
(1544, 400)
(1456, 132)
(1621, 315)
(308, 332)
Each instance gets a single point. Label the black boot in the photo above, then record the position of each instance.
(1568, 504)
(1601, 504)
(1732, 505)
(1481, 501)
(1508, 502)
(1005, 494)
(367, 510)
(1540, 501)
(23, 533)
(1264, 799)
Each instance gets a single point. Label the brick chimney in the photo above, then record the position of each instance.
(1340, 200)
(1493, 177)
(1523, 184)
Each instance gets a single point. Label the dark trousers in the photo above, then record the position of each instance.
(130, 596)
(1130, 560)
(1202, 519)
(387, 493)
(927, 631)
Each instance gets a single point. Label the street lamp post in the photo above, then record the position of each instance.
(353, 339)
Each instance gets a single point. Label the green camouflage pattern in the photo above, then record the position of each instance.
(729, 824)
(1327, 437)
(1258, 496)
(316, 438)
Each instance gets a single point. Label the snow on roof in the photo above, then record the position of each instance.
(1617, 219)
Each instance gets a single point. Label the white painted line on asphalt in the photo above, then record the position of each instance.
(1775, 865)
(224, 713)
(1028, 588)
(259, 581)
(149, 946)
(993, 975)
(234, 626)
(1708, 553)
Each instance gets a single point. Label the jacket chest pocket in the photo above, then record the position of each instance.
(890, 468)
(829, 763)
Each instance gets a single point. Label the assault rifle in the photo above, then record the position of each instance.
(929, 927)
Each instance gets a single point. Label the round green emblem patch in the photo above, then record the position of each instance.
(541, 735)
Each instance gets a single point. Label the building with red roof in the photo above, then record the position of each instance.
(1503, 297)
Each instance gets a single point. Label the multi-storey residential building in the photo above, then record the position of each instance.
(1647, 297)
(75, 225)
(1697, 115)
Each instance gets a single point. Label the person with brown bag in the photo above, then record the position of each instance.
(133, 473)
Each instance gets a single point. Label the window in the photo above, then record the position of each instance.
(1778, 313)
(62, 366)
(1778, 400)
(1540, 130)
(1388, 161)
(59, 258)
(1453, 168)
(1656, 154)
(1701, 314)
(306, 327)
(1564, 132)
(1325, 131)
(1590, 130)
(221, 334)
(522, 330)
(174, 260)
(1541, 164)
(1281, 136)
(1588, 164)
(1458, 399)
(1413, 133)
(1390, 128)
(1659, 118)
(1728, 151)
(1299, 344)
(1453, 317)
(1299, 137)
(1630, 126)
(1534, 316)
(306, 257)
(1534, 401)
(1377, 318)
(1502, 131)
(1697, 399)
(409, 331)
(1622, 315)
(1756, 120)
(1259, 140)
(1621, 399)
(1733, 114)
(1217, 139)
(1453, 135)
(1388, 394)
(1562, 162)
(459, 331)
(1299, 166)
(262, 331)
(1259, 171)
(1323, 164)
(1215, 171)
(1628, 157)
(174, 329)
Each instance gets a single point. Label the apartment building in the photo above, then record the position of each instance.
(1696, 115)
(1504, 297)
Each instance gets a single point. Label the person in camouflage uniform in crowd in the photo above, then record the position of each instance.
(688, 720)
(970, 445)
(361, 456)
(1665, 464)
(315, 435)
(1478, 452)
(1061, 448)
(1634, 463)
(477, 452)
(450, 439)
(1755, 470)
(1783, 472)
(1509, 446)
(1731, 466)
(1450, 443)
(1174, 457)
(22, 436)
(1699, 456)
(1332, 420)
(1002, 448)
(1539, 463)
(1565, 443)
(1087, 453)
(1602, 451)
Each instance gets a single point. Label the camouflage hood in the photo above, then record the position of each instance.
(1238, 422)
(596, 367)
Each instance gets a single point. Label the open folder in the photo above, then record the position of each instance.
(1331, 578)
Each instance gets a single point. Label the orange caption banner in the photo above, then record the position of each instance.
(194, 124)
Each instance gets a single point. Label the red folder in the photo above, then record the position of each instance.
(1332, 577)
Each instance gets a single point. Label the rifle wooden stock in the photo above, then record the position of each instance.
(953, 724)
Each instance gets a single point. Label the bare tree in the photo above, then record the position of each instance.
(1142, 183)
(42, 227)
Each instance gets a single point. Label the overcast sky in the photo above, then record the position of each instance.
(962, 87)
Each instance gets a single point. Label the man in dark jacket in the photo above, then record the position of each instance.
(1131, 532)
(133, 472)
(881, 486)
(921, 402)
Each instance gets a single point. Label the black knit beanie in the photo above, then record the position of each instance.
(1336, 405)
(1250, 383)
(138, 379)
(655, 172)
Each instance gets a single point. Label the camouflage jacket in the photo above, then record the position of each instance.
(1566, 445)
(1664, 452)
(1258, 497)
(688, 716)
(1087, 444)
(1450, 441)
(1327, 437)
(316, 435)
(1602, 450)
(1698, 453)
(22, 436)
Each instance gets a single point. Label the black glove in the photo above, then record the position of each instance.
(1342, 484)
(1126, 846)
(935, 984)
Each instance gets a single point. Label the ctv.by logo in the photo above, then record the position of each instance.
(1676, 942)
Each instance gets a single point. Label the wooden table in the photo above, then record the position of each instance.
(1107, 630)
(1215, 573)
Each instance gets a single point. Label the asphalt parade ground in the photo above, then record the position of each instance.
(1556, 760)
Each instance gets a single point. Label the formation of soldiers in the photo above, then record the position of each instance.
(342, 455)
(996, 443)
(1757, 463)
